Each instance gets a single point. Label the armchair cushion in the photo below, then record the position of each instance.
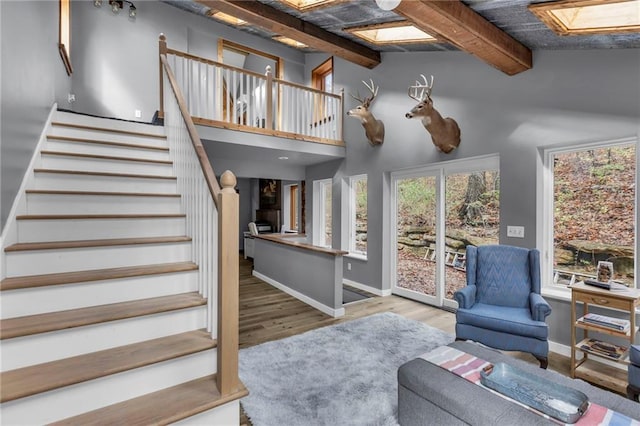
(512, 321)
(504, 272)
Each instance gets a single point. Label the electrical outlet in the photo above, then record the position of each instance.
(515, 231)
(138, 113)
(348, 266)
(71, 98)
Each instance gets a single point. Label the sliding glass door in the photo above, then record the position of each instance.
(437, 212)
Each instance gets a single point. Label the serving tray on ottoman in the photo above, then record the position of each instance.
(431, 395)
(558, 401)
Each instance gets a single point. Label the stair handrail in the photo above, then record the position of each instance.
(226, 201)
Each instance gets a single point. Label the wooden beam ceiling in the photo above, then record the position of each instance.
(281, 23)
(453, 21)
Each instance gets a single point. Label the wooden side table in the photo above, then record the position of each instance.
(589, 368)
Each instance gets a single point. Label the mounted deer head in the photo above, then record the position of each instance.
(445, 132)
(373, 129)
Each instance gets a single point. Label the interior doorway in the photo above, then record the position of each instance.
(291, 207)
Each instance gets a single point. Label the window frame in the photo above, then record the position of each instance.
(545, 223)
(319, 219)
(351, 233)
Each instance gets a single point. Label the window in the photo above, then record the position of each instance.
(322, 76)
(358, 215)
(322, 232)
(64, 40)
(589, 212)
(436, 211)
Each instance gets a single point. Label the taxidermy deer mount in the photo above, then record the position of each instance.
(373, 128)
(445, 132)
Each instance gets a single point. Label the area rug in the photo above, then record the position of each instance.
(344, 374)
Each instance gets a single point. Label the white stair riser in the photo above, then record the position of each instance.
(224, 415)
(39, 348)
(38, 300)
(106, 136)
(83, 397)
(38, 204)
(61, 162)
(87, 120)
(71, 182)
(36, 262)
(100, 149)
(96, 229)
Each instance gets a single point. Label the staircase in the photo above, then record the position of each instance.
(102, 321)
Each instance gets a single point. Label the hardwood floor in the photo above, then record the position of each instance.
(267, 313)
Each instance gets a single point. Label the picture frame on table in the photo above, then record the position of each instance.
(604, 273)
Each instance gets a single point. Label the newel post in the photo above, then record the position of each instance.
(269, 97)
(228, 283)
(162, 50)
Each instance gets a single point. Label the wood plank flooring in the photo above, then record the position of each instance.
(267, 314)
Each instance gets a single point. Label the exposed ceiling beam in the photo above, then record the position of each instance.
(284, 24)
(453, 21)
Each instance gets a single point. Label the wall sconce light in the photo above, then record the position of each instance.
(116, 5)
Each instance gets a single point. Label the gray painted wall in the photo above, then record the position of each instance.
(32, 78)
(117, 65)
(568, 97)
(316, 275)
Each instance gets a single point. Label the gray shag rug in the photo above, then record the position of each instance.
(344, 374)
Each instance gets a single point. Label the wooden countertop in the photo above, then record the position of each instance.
(285, 239)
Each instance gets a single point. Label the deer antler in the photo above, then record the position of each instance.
(374, 92)
(424, 88)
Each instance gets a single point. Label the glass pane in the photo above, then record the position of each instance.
(594, 213)
(416, 227)
(472, 203)
(327, 213)
(360, 193)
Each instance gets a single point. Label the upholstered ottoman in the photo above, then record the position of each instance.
(430, 395)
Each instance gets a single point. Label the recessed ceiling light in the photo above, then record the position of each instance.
(283, 158)
(570, 17)
(305, 5)
(391, 33)
(226, 18)
(290, 42)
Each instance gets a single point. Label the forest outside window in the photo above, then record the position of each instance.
(589, 204)
(358, 216)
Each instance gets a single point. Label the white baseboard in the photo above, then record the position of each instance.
(367, 288)
(336, 313)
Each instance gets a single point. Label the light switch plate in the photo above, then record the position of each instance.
(515, 231)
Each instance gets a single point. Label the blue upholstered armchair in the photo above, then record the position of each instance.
(501, 305)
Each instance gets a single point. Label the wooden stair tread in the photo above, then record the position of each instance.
(43, 323)
(31, 281)
(110, 143)
(101, 193)
(31, 380)
(108, 174)
(160, 408)
(98, 216)
(47, 245)
(103, 157)
(103, 129)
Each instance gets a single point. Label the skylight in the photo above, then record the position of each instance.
(220, 16)
(570, 17)
(391, 33)
(304, 5)
(290, 42)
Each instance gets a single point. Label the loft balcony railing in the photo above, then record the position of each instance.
(224, 96)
